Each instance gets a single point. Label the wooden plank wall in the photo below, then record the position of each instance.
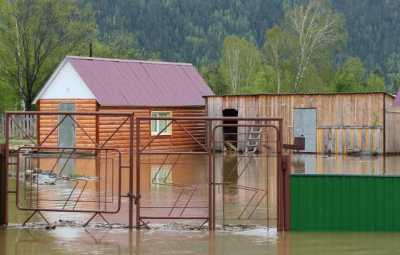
(392, 129)
(345, 122)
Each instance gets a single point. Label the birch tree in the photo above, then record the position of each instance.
(276, 52)
(316, 27)
(240, 63)
(34, 36)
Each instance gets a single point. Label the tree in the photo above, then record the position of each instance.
(214, 79)
(34, 36)
(375, 83)
(392, 66)
(240, 63)
(275, 48)
(317, 28)
(120, 45)
(350, 76)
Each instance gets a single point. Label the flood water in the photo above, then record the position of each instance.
(66, 240)
(258, 236)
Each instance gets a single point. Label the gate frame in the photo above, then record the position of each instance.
(279, 147)
(210, 151)
(97, 146)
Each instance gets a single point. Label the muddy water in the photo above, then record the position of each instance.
(102, 241)
(177, 239)
(178, 186)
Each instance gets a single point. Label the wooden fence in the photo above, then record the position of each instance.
(392, 130)
(21, 127)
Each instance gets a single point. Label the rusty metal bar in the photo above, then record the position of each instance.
(174, 218)
(3, 187)
(194, 138)
(211, 118)
(188, 201)
(115, 131)
(138, 192)
(176, 202)
(211, 175)
(112, 114)
(84, 131)
(156, 136)
(118, 205)
(52, 131)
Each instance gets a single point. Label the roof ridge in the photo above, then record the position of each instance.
(129, 60)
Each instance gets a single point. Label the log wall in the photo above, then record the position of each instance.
(87, 123)
(112, 134)
(180, 140)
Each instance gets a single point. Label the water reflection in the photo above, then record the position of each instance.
(345, 164)
(179, 186)
(258, 241)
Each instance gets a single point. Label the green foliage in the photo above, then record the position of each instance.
(34, 37)
(120, 45)
(375, 82)
(350, 75)
(275, 54)
(214, 78)
(240, 64)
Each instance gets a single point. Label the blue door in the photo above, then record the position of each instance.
(305, 124)
(66, 139)
(66, 131)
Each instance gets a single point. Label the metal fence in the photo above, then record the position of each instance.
(172, 184)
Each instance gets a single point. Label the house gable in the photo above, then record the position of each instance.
(65, 83)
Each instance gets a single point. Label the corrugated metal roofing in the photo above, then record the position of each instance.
(116, 82)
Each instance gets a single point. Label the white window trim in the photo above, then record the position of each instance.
(167, 132)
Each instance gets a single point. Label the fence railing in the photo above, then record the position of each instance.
(21, 127)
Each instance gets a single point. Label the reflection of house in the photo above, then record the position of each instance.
(157, 89)
(331, 123)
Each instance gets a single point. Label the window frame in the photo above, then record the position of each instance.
(167, 132)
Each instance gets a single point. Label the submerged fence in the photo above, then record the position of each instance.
(345, 203)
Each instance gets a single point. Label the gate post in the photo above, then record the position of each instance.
(3, 187)
(284, 194)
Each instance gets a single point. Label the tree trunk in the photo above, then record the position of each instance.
(28, 103)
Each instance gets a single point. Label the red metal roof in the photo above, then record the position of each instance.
(116, 82)
(397, 100)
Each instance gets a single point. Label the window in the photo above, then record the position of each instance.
(159, 125)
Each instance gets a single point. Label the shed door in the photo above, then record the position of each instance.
(305, 124)
(66, 138)
(66, 131)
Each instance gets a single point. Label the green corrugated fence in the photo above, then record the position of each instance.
(344, 203)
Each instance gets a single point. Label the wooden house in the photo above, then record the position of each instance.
(338, 123)
(145, 88)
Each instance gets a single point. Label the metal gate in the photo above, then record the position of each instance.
(178, 177)
(169, 186)
(245, 179)
(81, 176)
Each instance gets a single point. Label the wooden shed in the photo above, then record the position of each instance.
(145, 88)
(339, 123)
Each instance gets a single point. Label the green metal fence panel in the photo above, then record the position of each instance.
(345, 203)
